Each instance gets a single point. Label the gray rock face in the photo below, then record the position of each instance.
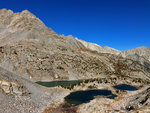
(21, 26)
(72, 42)
(23, 21)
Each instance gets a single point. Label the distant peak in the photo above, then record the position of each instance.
(4, 10)
(143, 47)
(107, 47)
(26, 12)
(24, 20)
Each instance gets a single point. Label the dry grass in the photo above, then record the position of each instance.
(50, 109)
(63, 108)
(81, 49)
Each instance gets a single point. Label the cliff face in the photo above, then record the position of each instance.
(30, 52)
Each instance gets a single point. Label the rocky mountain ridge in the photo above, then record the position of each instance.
(98, 48)
(31, 52)
(141, 51)
(27, 24)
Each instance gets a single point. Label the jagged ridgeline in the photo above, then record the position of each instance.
(31, 52)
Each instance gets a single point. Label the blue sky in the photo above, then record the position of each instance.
(120, 24)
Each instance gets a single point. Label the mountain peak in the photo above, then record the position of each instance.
(142, 47)
(21, 25)
(24, 20)
(27, 13)
(5, 11)
(140, 51)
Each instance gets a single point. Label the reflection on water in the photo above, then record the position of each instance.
(80, 97)
(59, 83)
(125, 87)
